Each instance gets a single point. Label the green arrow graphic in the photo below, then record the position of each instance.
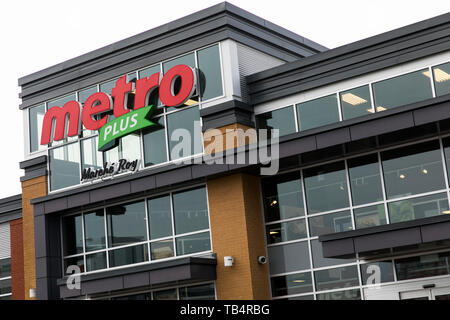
(122, 126)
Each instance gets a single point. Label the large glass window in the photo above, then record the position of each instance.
(153, 98)
(94, 230)
(330, 223)
(73, 235)
(292, 284)
(210, 73)
(318, 112)
(441, 74)
(286, 231)
(5, 268)
(128, 255)
(283, 197)
(356, 102)
(377, 272)
(126, 224)
(282, 119)
(64, 166)
(36, 119)
(201, 292)
(365, 179)
(369, 216)
(423, 266)
(198, 242)
(402, 90)
(353, 294)
(289, 257)
(413, 169)
(418, 208)
(160, 217)
(342, 277)
(326, 182)
(190, 211)
(82, 97)
(185, 136)
(90, 157)
(155, 143)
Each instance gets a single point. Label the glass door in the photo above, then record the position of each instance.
(427, 294)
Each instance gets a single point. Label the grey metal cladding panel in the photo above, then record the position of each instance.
(13, 215)
(333, 138)
(173, 177)
(41, 160)
(389, 239)
(294, 147)
(113, 191)
(102, 285)
(168, 275)
(38, 209)
(337, 248)
(65, 292)
(436, 232)
(382, 125)
(143, 184)
(40, 236)
(31, 174)
(203, 273)
(43, 290)
(204, 170)
(432, 113)
(79, 199)
(136, 280)
(55, 205)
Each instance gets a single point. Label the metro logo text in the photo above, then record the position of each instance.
(100, 103)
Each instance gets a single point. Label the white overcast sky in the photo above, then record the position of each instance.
(39, 34)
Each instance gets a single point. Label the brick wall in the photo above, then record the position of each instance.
(17, 269)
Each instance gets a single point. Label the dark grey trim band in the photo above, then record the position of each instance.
(415, 232)
(382, 51)
(11, 208)
(227, 113)
(180, 271)
(36, 167)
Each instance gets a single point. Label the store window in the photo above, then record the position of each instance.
(283, 198)
(429, 265)
(282, 119)
(318, 259)
(330, 223)
(82, 97)
(377, 272)
(402, 90)
(356, 102)
(36, 119)
(365, 179)
(210, 73)
(201, 292)
(441, 74)
(90, 157)
(369, 216)
(291, 284)
(289, 257)
(353, 294)
(413, 169)
(342, 277)
(328, 183)
(418, 208)
(286, 231)
(127, 226)
(64, 166)
(155, 149)
(318, 112)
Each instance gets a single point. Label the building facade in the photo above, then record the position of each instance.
(358, 208)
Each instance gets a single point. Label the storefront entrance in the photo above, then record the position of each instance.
(427, 294)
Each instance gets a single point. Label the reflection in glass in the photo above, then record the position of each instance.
(190, 211)
(90, 157)
(182, 125)
(330, 223)
(160, 217)
(326, 188)
(402, 90)
(286, 231)
(291, 284)
(5, 268)
(94, 230)
(369, 216)
(64, 166)
(289, 257)
(36, 119)
(5, 286)
(153, 98)
(75, 261)
(336, 278)
(429, 265)
(170, 294)
(282, 119)
(377, 272)
(365, 179)
(162, 249)
(198, 242)
(318, 112)
(82, 97)
(356, 102)
(126, 224)
(155, 143)
(209, 72)
(413, 169)
(418, 208)
(128, 255)
(353, 294)
(201, 292)
(72, 235)
(96, 261)
(283, 197)
(441, 74)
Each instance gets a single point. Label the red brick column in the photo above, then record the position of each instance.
(17, 262)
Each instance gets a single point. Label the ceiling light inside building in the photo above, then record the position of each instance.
(439, 75)
(380, 108)
(352, 99)
(402, 176)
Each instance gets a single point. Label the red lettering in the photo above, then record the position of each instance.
(97, 103)
(119, 93)
(70, 109)
(144, 87)
(166, 88)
